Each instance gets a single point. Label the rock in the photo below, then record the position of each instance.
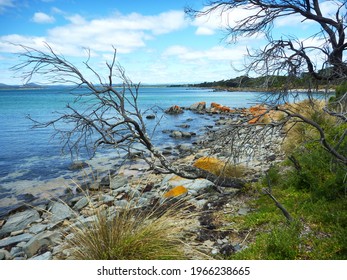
(174, 110)
(227, 249)
(118, 182)
(43, 239)
(60, 212)
(94, 186)
(121, 203)
(184, 148)
(78, 165)
(183, 125)
(83, 202)
(37, 228)
(44, 257)
(199, 106)
(18, 232)
(15, 239)
(5, 255)
(106, 198)
(186, 134)
(214, 251)
(199, 185)
(176, 134)
(150, 117)
(243, 211)
(19, 221)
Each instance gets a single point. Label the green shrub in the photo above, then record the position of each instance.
(341, 89)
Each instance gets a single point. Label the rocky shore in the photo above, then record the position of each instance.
(40, 232)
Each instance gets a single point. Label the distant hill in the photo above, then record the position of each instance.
(29, 85)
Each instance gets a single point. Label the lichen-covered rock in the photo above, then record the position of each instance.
(176, 191)
(174, 110)
(199, 106)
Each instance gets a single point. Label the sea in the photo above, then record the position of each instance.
(32, 165)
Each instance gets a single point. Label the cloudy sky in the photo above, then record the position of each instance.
(155, 41)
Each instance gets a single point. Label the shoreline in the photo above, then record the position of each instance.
(54, 218)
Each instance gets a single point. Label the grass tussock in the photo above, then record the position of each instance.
(298, 132)
(130, 234)
(219, 167)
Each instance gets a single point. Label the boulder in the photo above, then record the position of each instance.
(176, 134)
(43, 239)
(199, 106)
(174, 110)
(19, 221)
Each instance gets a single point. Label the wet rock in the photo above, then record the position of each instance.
(27, 197)
(19, 221)
(183, 125)
(150, 117)
(78, 165)
(174, 110)
(199, 106)
(176, 134)
(187, 134)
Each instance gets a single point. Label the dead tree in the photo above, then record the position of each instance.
(292, 57)
(104, 115)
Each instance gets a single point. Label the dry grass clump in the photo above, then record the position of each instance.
(219, 167)
(299, 132)
(130, 234)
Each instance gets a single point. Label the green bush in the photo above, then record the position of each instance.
(341, 89)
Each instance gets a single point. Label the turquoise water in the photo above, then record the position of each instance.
(33, 155)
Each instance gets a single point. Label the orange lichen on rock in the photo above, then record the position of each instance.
(258, 112)
(220, 108)
(175, 192)
(219, 167)
(175, 109)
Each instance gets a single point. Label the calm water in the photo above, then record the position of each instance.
(31, 155)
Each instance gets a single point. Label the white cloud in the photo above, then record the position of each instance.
(221, 18)
(43, 18)
(5, 4)
(126, 32)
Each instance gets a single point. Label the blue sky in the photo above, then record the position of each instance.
(156, 42)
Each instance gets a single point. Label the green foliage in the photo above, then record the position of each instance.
(341, 89)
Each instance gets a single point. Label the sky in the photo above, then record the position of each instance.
(156, 42)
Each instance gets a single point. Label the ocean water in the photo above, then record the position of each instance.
(30, 159)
